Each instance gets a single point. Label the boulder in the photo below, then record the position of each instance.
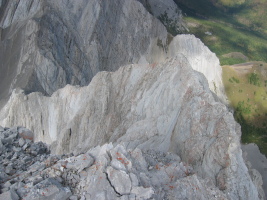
(48, 189)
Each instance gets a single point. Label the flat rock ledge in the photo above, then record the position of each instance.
(29, 171)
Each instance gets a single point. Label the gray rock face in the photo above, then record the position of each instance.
(254, 159)
(9, 195)
(48, 44)
(168, 13)
(157, 104)
(115, 173)
(165, 107)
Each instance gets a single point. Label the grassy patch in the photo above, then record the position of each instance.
(226, 39)
(247, 94)
(230, 61)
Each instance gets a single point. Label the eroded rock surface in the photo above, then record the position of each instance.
(147, 110)
(46, 45)
(168, 13)
(104, 172)
(166, 107)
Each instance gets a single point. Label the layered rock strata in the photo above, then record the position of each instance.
(48, 44)
(166, 107)
(156, 104)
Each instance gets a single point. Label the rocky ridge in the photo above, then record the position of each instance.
(104, 172)
(46, 45)
(166, 107)
(156, 104)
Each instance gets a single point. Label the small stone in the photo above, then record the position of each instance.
(13, 135)
(16, 149)
(14, 186)
(134, 179)
(13, 130)
(37, 180)
(142, 193)
(81, 162)
(73, 197)
(6, 141)
(9, 170)
(9, 195)
(25, 133)
(4, 190)
(34, 153)
(26, 159)
(28, 141)
(25, 146)
(7, 184)
(49, 189)
(21, 142)
(37, 166)
(83, 174)
(9, 155)
(59, 179)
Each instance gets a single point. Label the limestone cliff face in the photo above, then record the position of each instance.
(48, 44)
(165, 107)
(155, 103)
(201, 59)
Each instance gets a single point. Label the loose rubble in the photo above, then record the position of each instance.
(29, 172)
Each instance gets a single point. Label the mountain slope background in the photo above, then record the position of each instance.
(236, 26)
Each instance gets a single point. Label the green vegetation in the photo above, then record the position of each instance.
(230, 61)
(247, 94)
(254, 79)
(226, 39)
(243, 108)
(236, 26)
(234, 80)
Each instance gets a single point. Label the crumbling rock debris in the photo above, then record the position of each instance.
(104, 172)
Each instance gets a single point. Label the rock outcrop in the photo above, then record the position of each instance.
(168, 13)
(160, 107)
(46, 45)
(106, 172)
(166, 107)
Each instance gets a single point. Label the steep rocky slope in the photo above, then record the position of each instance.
(105, 172)
(48, 44)
(164, 107)
(159, 103)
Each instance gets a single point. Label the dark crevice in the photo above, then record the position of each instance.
(30, 6)
(112, 185)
